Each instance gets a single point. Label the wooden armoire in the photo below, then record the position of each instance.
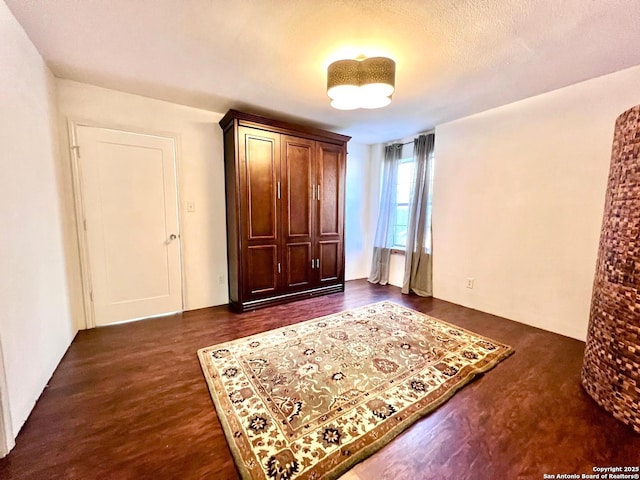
(285, 210)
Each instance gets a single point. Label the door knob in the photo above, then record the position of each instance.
(173, 236)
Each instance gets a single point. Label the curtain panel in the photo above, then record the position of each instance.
(418, 256)
(383, 240)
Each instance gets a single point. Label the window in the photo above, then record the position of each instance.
(403, 194)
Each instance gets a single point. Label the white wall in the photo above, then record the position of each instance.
(518, 202)
(200, 176)
(396, 269)
(35, 319)
(358, 212)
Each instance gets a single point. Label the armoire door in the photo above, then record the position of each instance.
(330, 212)
(260, 192)
(298, 194)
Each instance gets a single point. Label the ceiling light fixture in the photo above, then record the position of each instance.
(361, 83)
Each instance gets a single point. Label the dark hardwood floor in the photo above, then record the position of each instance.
(130, 402)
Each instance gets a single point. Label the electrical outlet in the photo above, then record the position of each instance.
(469, 282)
(191, 206)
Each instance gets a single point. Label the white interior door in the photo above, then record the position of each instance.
(128, 183)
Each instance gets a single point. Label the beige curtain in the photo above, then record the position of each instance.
(418, 260)
(383, 240)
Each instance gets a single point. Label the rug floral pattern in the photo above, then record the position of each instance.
(309, 400)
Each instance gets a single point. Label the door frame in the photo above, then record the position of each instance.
(79, 208)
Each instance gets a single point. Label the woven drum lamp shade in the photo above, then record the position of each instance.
(378, 75)
(611, 368)
(365, 83)
(343, 72)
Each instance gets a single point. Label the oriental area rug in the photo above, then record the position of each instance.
(310, 400)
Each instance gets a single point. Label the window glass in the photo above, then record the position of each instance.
(403, 195)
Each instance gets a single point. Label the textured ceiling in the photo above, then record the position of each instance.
(454, 57)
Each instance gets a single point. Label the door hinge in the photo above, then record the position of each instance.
(91, 295)
(278, 267)
(278, 190)
(318, 192)
(77, 149)
(317, 263)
